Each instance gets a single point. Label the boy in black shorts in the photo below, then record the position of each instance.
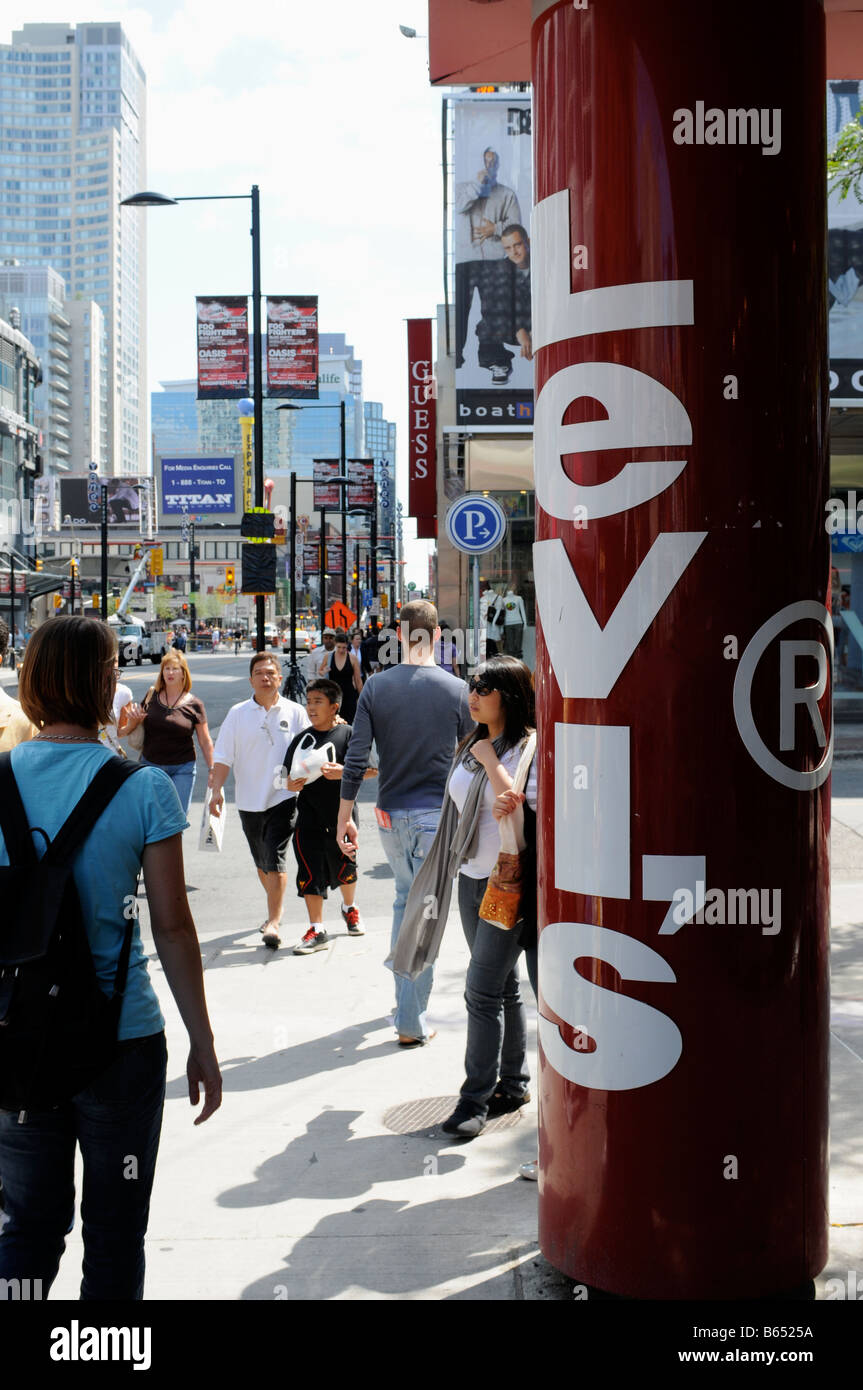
(321, 862)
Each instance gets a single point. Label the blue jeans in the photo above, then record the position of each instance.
(496, 1021)
(117, 1121)
(406, 846)
(183, 777)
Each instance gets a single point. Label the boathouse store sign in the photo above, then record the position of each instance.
(636, 1044)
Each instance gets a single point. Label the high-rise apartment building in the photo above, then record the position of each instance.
(72, 145)
(71, 406)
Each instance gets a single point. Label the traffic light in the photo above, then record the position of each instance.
(58, 601)
(96, 600)
(185, 607)
(38, 563)
(73, 565)
(229, 576)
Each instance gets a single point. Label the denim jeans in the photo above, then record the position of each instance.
(116, 1121)
(406, 846)
(183, 777)
(496, 1020)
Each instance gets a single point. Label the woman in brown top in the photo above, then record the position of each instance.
(171, 716)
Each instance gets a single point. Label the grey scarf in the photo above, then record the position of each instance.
(427, 907)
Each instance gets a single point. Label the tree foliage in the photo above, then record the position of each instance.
(845, 162)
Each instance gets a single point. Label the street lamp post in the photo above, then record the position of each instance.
(103, 529)
(148, 199)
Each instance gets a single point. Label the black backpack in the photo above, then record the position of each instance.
(58, 1029)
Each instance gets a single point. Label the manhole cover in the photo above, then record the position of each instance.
(417, 1116)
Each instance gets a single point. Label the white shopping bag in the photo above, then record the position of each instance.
(308, 760)
(212, 827)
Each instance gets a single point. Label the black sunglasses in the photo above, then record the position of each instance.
(480, 686)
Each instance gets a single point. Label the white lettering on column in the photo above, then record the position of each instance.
(665, 875)
(558, 314)
(641, 413)
(591, 848)
(586, 658)
(635, 1043)
(791, 695)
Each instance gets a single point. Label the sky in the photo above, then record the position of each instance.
(328, 109)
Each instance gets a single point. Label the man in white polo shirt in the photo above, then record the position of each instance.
(253, 741)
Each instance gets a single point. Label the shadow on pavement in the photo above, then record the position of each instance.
(333, 1052)
(402, 1249)
(328, 1161)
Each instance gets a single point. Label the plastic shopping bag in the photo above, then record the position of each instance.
(308, 760)
(212, 828)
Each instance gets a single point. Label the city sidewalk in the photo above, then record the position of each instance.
(325, 1174)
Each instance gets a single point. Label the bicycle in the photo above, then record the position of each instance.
(294, 687)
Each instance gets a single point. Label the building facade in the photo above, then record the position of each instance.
(72, 145)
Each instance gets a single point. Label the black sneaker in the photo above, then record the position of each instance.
(312, 941)
(504, 1103)
(353, 921)
(463, 1124)
(500, 375)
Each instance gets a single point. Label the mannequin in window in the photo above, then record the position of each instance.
(491, 613)
(514, 623)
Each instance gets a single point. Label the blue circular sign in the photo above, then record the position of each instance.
(475, 524)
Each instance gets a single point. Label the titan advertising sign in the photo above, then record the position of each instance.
(491, 237)
(422, 429)
(203, 486)
(292, 346)
(223, 348)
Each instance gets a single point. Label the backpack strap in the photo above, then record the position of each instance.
(13, 817)
(83, 817)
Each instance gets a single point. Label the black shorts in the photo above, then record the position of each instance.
(320, 862)
(268, 833)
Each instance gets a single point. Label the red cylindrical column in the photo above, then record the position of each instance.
(684, 653)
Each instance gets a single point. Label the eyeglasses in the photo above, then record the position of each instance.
(478, 685)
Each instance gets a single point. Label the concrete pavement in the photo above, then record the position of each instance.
(325, 1175)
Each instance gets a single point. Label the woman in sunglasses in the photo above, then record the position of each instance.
(502, 704)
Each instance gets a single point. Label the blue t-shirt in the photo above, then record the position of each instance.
(52, 778)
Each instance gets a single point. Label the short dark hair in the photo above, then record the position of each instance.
(332, 691)
(68, 673)
(264, 656)
(418, 616)
(514, 227)
(341, 635)
(4, 637)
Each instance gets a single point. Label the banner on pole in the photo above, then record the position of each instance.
(223, 348)
(422, 469)
(326, 493)
(361, 487)
(292, 346)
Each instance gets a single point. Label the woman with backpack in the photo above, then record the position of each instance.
(102, 820)
(171, 716)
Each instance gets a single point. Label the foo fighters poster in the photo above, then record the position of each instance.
(223, 348)
(292, 346)
(491, 238)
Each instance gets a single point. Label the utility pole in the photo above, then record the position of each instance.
(193, 587)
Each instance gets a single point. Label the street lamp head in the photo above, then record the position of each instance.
(287, 406)
(148, 200)
(245, 406)
(408, 33)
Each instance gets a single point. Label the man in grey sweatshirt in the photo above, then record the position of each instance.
(416, 713)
